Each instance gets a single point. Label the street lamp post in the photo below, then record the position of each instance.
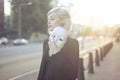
(20, 18)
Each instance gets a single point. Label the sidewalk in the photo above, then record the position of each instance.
(109, 68)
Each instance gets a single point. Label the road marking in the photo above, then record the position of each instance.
(25, 74)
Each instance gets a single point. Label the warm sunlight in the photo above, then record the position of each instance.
(95, 12)
(7, 7)
(90, 12)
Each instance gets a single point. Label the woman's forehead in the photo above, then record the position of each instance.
(53, 15)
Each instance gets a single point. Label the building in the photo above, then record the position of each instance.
(1, 16)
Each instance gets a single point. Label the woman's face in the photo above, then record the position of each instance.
(53, 21)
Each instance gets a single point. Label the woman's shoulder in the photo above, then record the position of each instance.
(72, 42)
(72, 39)
(45, 42)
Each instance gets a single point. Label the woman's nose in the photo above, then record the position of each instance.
(48, 21)
(49, 25)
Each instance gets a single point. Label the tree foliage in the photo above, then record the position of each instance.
(87, 30)
(118, 30)
(34, 17)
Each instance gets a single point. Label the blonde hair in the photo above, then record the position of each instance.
(63, 14)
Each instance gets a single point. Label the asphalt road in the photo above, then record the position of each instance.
(22, 62)
(17, 60)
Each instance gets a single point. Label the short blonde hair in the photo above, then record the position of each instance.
(63, 14)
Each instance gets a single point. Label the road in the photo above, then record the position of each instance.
(17, 60)
(22, 62)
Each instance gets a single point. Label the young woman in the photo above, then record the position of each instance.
(59, 63)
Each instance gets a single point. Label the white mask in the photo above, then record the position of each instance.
(59, 36)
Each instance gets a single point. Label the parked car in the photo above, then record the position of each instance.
(3, 41)
(20, 41)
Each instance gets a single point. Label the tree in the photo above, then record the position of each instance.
(106, 30)
(1, 16)
(34, 17)
(87, 30)
(118, 30)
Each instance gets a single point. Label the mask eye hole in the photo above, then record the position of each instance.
(53, 36)
(60, 39)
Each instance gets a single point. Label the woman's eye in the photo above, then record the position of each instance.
(52, 19)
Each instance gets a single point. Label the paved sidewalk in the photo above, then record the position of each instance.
(109, 68)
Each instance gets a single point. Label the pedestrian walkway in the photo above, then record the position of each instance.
(109, 68)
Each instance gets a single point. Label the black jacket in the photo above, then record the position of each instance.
(61, 66)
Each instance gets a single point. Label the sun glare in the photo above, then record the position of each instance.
(6, 7)
(101, 12)
(89, 12)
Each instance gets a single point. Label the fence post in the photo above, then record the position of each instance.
(104, 50)
(81, 70)
(90, 64)
(97, 58)
(101, 54)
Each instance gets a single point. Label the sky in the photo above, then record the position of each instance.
(90, 12)
(95, 12)
(7, 7)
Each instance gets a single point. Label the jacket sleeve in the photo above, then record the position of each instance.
(43, 62)
(76, 57)
(72, 62)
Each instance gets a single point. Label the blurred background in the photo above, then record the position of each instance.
(28, 19)
(23, 27)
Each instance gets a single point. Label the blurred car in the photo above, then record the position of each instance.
(3, 41)
(20, 41)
